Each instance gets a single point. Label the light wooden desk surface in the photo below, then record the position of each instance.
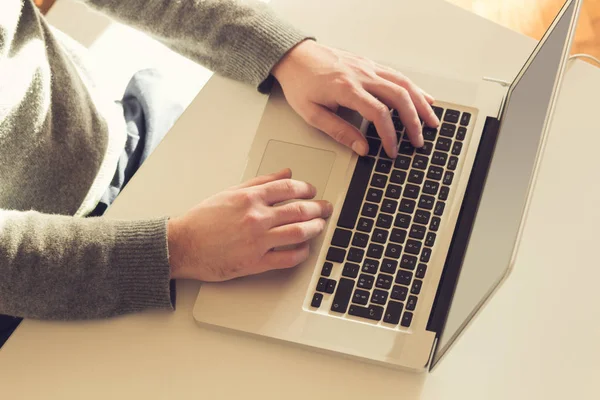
(537, 339)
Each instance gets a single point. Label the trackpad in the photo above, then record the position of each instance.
(308, 164)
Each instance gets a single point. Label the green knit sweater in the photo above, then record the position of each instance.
(60, 140)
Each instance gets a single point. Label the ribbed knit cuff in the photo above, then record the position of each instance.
(261, 49)
(142, 259)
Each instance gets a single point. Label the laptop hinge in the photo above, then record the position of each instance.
(464, 227)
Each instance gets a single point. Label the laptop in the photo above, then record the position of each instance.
(416, 245)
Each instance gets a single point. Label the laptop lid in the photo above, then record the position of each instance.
(496, 202)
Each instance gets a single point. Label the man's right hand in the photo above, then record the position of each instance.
(235, 232)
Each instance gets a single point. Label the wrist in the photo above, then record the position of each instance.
(289, 60)
(175, 248)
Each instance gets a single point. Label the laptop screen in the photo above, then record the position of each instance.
(503, 201)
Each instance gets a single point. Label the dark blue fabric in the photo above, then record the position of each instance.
(150, 109)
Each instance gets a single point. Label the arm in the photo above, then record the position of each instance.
(240, 40)
(59, 267)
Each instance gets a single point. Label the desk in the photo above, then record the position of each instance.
(537, 339)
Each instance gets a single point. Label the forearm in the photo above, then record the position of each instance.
(59, 267)
(242, 40)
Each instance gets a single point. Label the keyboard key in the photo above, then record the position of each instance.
(375, 251)
(384, 281)
(452, 116)
(316, 300)
(392, 313)
(412, 247)
(406, 148)
(426, 202)
(374, 195)
(398, 235)
(416, 287)
(360, 240)
(355, 254)
(370, 266)
(438, 111)
(426, 149)
(453, 163)
(439, 208)
(360, 297)
(408, 262)
(399, 292)
(406, 319)
(417, 231)
(425, 254)
(411, 304)
(330, 286)
(461, 134)
(403, 277)
(372, 312)
(403, 220)
(383, 166)
(389, 206)
(448, 130)
(448, 178)
(411, 191)
(431, 187)
(393, 250)
(439, 158)
(322, 284)
(465, 119)
(434, 173)
(336, 255)
(379, 181)
(398, 176)
(365, 225)
(393, 191)
(420, 162)
(443, 144)
(456, 149)
(341, 238)
(365, 281)
(369, 210)
(372, 131)
(430, 240)
(422, 217)
(326, 270)
(402, 162)
(384, 220)
(379, 235)
(407, 206)
(398, 123)
(342, 296)
(429, 133)
(421, 269)
(389, 266)
(444, 193)
(374, 145)
(356, 192)
(416, 176)
(379, 297)
(350, 270)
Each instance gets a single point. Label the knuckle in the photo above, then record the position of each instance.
(253, 218)
(299, 233)
(380, 111)
(301, 211)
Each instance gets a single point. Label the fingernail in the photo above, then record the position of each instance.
(329, 209)
(360, 148)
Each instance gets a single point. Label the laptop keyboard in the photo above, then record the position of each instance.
(388, 225)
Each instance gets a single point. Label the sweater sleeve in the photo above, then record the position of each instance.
(239, 39)
(60, 267)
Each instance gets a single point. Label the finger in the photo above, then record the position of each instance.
(334, 126)
(428, 97)
(297, 233)
(285, 173)
(282, 259)
(418, 97)
(373, 110)
(300, 211)
(399, 98)
(286, 189)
